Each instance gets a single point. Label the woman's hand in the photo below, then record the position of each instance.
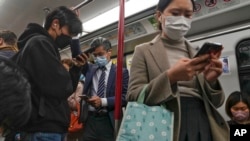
(185, 69)
(72, 102)
(214, 69)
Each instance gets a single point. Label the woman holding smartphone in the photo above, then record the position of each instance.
(188, 86)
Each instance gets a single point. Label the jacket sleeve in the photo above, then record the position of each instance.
(125, 86)
(159, 88)
(111, 100)
(46, 73)
(215, 93)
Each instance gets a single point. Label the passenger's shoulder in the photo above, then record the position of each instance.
(40, 42)
(149, 43)
(40, 38)
(143, 45)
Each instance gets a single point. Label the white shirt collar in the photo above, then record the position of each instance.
(108, 65)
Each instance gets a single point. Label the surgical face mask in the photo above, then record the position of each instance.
(63, 41)
(101, 61)
(176, 27)
(240, 115)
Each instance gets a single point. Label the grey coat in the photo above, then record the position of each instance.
(149, 65)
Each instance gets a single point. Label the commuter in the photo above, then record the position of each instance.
(188, 86)
(8, 42)
(76, 128)
(15, 100)
(100, 87)
(75, 131)
(51, 83)
(237, 108)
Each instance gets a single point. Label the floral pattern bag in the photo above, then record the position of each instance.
(145, 123)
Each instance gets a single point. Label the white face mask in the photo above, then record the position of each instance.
(176, 27)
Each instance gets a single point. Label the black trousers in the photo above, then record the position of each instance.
(98, 128)
(194, 121)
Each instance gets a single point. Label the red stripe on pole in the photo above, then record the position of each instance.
(118, 90)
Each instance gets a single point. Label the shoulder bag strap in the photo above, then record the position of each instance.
(141, 96)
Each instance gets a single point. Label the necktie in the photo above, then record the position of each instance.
(101, 84)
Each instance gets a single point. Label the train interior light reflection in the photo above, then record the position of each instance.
(131, 7)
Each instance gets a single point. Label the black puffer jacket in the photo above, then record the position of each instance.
(51, 83)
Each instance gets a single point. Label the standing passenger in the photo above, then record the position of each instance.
(15, 100)
(75, 128)
(51, 83)
(8, 48)
(100, 87)
(167, 65)
(8, 41)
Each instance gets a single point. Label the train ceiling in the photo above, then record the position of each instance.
(16, 14)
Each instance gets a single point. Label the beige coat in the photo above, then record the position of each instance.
(149, 65)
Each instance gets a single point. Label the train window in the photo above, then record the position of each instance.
(245, 83)
(243, 56)
(243, 59)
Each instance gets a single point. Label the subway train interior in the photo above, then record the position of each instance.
(223, 21)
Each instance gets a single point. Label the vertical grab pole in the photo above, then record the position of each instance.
(118, 90)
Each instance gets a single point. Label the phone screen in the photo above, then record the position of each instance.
(209, 47)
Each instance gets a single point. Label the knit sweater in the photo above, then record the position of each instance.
(175, 51)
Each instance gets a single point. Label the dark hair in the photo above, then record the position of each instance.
(233, 99)
(163, 4)
(15, 98)
(65, 17)
(9, 37)
(100, 41)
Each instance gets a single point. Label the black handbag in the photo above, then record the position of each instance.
(84, 108)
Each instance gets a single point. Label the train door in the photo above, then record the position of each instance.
(243, 61)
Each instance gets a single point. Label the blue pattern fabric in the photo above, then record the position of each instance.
(146, 123)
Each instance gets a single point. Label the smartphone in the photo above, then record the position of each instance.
(87, 51)
(75, 48)
(208, 47)
(84, 97)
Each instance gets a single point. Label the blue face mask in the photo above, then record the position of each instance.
(101, 61)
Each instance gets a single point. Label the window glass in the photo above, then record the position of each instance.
(244, 54)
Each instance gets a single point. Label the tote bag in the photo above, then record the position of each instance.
(146, 123)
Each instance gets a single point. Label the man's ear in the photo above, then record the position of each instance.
(55, 24)
(158, 16)
(110, 51)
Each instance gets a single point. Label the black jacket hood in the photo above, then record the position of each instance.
(31, 30)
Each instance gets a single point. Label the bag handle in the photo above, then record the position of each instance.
(141, 96)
